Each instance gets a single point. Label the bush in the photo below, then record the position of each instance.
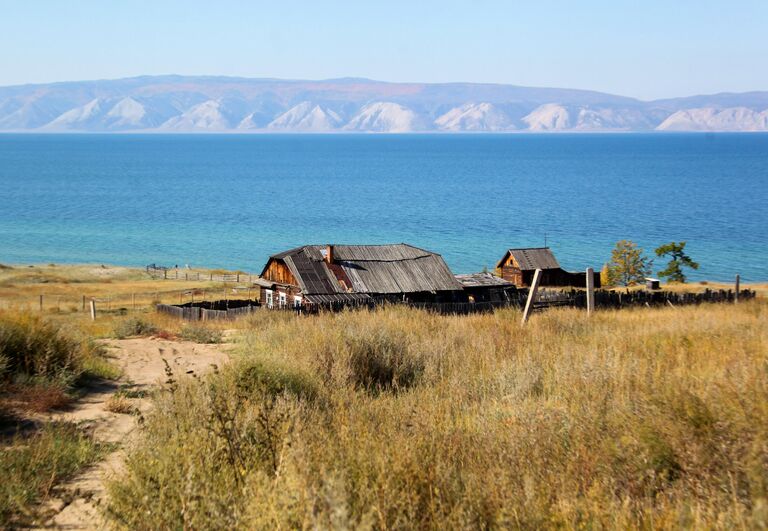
(40, 396)
(200, 334)
(30, 346)
(133, 326)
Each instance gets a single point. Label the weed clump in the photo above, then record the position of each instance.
(380, 360)
(275, 379)
(32, 465)
(200, 334)
(118, 403)
(31, 346)
(133, 326)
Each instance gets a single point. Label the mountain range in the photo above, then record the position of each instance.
(168, 104)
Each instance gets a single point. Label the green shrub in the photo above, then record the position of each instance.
(133, 326)
(31, 466)
(200, 334)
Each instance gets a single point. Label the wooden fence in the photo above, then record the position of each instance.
(547, 298)
(606, 299)
(195, 313)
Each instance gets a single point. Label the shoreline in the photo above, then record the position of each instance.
(99, 272)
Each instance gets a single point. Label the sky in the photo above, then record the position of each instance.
(646, 49)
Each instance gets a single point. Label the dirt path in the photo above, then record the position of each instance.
(75, 504)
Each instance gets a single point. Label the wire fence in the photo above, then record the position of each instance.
(173, 273)
(123, 302)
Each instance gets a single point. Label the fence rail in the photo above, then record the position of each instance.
(168, 273)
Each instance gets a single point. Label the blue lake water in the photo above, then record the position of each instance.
(231, 200)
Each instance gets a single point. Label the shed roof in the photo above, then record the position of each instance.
(374, 269)
(479, 280)
(530, 258)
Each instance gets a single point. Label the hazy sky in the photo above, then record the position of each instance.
(647, 49)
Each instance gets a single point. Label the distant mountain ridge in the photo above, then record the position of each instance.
(214, 104)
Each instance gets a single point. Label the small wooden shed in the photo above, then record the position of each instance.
(487, 287)
(518, 266)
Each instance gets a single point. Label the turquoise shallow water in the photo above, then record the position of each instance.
(231, 200)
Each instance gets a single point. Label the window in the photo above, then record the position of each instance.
(270, 300)
(282, 299)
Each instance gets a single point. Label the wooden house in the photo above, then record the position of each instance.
(349, 274)
(518, 266)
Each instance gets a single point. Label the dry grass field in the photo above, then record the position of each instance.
(400, 419)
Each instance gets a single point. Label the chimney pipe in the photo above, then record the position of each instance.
(329, 254)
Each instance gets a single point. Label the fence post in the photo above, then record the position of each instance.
(83, 302)
(531, 295)
(41, 303)
(93, 310)
(738, 282)
(238, 277)
(590, 290)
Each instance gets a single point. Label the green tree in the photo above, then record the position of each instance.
(628, 265)
(674, 270)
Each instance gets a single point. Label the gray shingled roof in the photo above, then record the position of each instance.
(374, 269)
(379, 253)
(533, 258)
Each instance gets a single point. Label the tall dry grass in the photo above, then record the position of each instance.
(401, 419)
(29, 345)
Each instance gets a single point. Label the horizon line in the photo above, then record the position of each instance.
(368, 80)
